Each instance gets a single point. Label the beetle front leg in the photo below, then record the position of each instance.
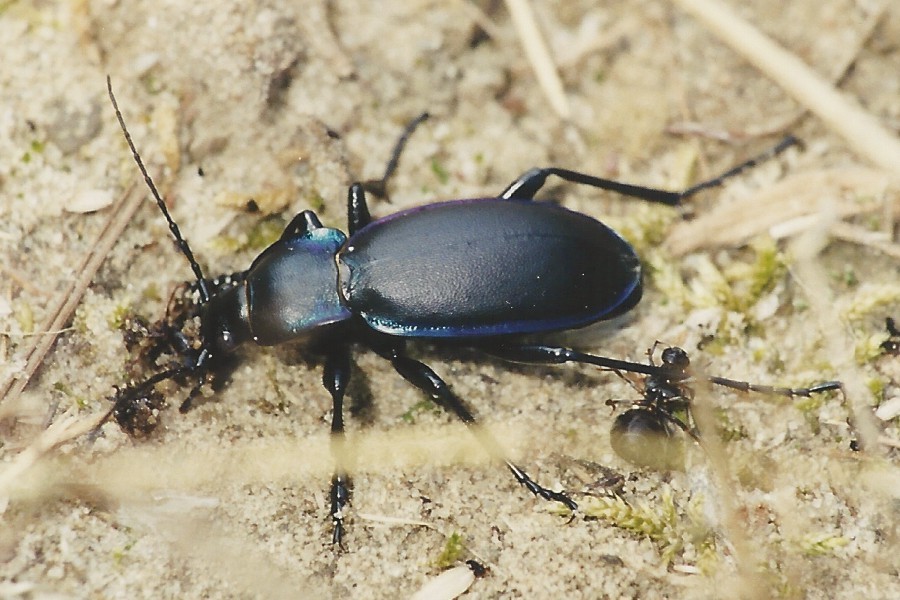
(335, 378)
(423, 377)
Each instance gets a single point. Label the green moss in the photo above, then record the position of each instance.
(748, 282)
(876, 385)
(453, 551)
(708, 558)
(259, 236)
(645, 227)
(24, 316)
(119, 554)
(151, 84)
(77, 400)
(268, 230)
(151, 292)
(809, 408)
(661, 523)
(821, 544)
(767, 269)
(316, 203)
(727, 430)
(421, 406)
(734, 290)
(872, 299)
(227, 244)
(850, 280)
(118, 316)
(439, 171)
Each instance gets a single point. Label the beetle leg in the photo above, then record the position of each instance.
(199, 369)
(530, 182)
(743, 386)
(557, 355)
(335, 377)
(379, 186)
(188, 402)
(423, 377)
(357, 210)
(302, 223)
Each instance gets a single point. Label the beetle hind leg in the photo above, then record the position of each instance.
(424, 378)
(529, 183)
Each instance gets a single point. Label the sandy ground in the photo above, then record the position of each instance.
(286, 103)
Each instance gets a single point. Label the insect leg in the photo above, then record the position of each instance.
(424, 378)
(357, 210)
(379, 186)
(556, 355)
(335, 378)
(530, 182)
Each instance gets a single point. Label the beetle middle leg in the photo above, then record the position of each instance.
(529, 183)
(335, 378)
(424, 378)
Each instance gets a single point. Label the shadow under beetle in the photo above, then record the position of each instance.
(478, 272)
(647, 433)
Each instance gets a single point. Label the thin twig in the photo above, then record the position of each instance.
(539, 56)
(67, 300)
(795, 200)
(783, 123)
(841, 113)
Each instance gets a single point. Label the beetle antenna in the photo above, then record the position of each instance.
(173, 226)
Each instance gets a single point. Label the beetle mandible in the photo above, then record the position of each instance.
(481, 272)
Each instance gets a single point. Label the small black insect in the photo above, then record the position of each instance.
(477, 272)
(647, 434)
(892, 344)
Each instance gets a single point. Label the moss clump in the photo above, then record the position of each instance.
(661, 523)
(452, 552)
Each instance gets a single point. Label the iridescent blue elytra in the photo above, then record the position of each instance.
(477, 268)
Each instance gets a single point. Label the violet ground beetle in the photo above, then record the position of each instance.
(475, 272)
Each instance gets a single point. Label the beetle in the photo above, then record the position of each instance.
(477, 272)
(646, 434)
